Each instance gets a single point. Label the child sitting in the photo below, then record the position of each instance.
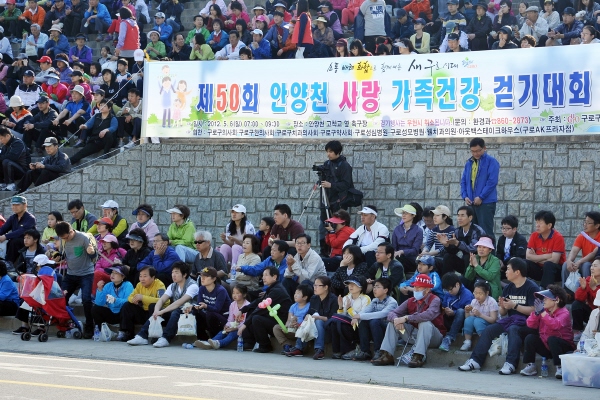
(482, 312)
(49, 232)
(426, 265)
(456, 298)
(230, 331)
(343, 335)
(264, 232)
(123, 75)
(296, 315)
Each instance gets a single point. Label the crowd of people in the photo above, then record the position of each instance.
(423, 284)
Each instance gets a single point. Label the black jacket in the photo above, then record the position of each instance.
(339, 174)
(518, 247)
(58, 163)
(481, 28)
(132, 259)
(15, 227)
(16, 151)
(24, 266)
(43, 121)
(182, 55)
(325, 308)
(341, 275)
(278, 295)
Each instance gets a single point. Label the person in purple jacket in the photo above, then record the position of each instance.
(407, 237)
(81, 52)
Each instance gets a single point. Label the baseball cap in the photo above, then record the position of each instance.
(116, 268)
(452, 2)
(42, 99)
(402, 13)
(450, 25)
(335, 220)
(422, 280)
(420, 21)
(569, 11)
(18, 200)
(257, 32)
(138, 55)
(50, 141)
(21, 56)
(81, 36)
(239, 208)
(355, 281)
(427, 260)
(104, 220)
(42, 259)
(159, 15)
(45, 59)
(110, 204)
(367, 210)
(342, 43)
(209, 271)
(174, 210)
(453, 36)
(506, 29)
(439, 210)
(406, 208)
(109, 238)
(100, 92)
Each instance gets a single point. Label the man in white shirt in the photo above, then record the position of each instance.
(369, 235)
(232, 50)
(534, 25)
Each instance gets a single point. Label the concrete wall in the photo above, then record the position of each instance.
(210, 176)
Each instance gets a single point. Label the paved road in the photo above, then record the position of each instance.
(35, 377)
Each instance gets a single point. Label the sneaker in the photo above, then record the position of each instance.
(137, 341)
(161, 342)
(336, 356)
(405, 359)
(107, 37)
(260, 349)
(286, 349)
(99, 37)
(121, 336)
(79, 143)
(466, 346)
(558, 373)
(416, 361)
(446, 341)
(529, 370)
(362, 356)
(37, 332)
(294, 352)
(202, 344)
(215, 344)
(319, 354)
(470, 365)
(15, 40)
(507, 369)
(121, 143)
(349, 355)
(376, 355)
(88, 332)
(21, 329)
(129, 145)
(11, 187)
(385, 359)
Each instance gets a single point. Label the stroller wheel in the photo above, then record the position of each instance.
(26, 336)
(43, 337)
(60, 335)
(77, 335)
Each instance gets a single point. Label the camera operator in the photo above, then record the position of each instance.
(336, 178)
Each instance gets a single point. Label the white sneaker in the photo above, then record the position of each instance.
(507, 369)
(470, 365)
(558, 373)
(130, 145)
(161, 342)
(466, 346)
(529, 370)
(137, 341)
(11, 187)
(215, 344)
(202, 344)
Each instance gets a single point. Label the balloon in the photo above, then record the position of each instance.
(266, 303)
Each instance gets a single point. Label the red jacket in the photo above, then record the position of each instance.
(557, 324)
(428, 309)
(305, 24)
(419, 7)
(587, 295)
(132, 37)
(336, 240)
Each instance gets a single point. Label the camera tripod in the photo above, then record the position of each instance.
(323, 199)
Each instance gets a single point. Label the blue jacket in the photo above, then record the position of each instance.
(160, 264)
(8, 290)
(263, 51)
(121, 298)
(222, 43)
(485, 181)
(102, 13)
(62, 46)
(14, 228)
(570, 32)
(165, 31)
(435, 279)
(271, 36)
(403, 31)
(460, 301)
(257, 270)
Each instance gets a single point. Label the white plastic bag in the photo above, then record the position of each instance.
(496, 347)
(572, 282)
(106, 335)
(307, 330)
(300, 54)
(155, 329)
(186, 326)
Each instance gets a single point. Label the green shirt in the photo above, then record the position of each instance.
(8, 16)
(158, 46)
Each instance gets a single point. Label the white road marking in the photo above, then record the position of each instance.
(100, 378)
(259, 388)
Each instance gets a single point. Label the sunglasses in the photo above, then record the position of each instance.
(200, 241)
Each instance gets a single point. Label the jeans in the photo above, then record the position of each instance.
(185, 253)
(371, 329)
(556, 347)
(480, 351)
(70, 283)
(225, 339)
(484, 217)
(455, 323)
(170, 330)
(320, 340)
(474, 324)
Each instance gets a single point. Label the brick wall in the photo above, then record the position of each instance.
(210, 176)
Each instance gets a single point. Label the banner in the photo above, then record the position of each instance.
(520, 92)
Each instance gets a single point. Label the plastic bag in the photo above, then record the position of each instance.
(572, 282)
(307, 330)
(106, 335)
(155, 329)
(496, 347)
(186, 326)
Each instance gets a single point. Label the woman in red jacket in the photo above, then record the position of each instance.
(302, 36)
(129, 35)
(338, 232)
(584, 298)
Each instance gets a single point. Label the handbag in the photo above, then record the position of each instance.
(572, 282)
(186, 326)
(155, 329)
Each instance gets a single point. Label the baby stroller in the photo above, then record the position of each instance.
(48, 304)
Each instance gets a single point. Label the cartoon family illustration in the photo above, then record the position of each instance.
(174, 108)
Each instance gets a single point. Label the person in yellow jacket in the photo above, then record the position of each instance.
(141, 302)
(181, 233)
(110, 209)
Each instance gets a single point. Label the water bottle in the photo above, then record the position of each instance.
(233, 272)
(582, 346)
(187, 346)
(544, 368)
(96, 334)
(240, 345)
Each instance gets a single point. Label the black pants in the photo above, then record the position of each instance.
(8, 308)
(133, 128)
(164, 277)
(132, 314)
(93, 146)
(33, 135)
(258, 329)
(556, 346)
(104, 314)
(547, 274)
(71, 25)
(581, 313)
(11, 171)
(12, 249)
(409, 263)
(370, 44)
(210, 321)
(72, 127)
(37, 177)
(343, 337)
(451, 263)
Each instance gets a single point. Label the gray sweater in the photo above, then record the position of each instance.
(79, 262)
(374, 12)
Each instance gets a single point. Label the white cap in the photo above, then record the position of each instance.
(42, 259)
(174, 210)
(257, 32)
(138, 55)
(110, 204)
(367, 210)
(239, 208)
(15, 101)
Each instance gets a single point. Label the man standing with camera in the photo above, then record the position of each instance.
(336, 178)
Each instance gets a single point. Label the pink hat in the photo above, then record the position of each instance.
(485, 242)
(262, 18)
(110, 239)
